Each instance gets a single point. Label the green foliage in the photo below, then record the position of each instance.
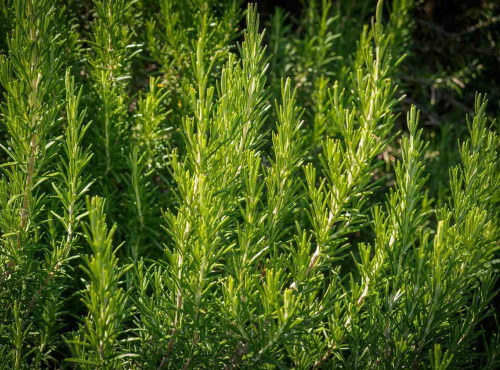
(109, 66)
(269, 208)
(97, 341)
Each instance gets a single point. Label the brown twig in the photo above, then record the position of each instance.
(468, 30)
(236, 358)
(171, 342)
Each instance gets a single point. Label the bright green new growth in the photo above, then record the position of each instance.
(98, 344)
(254, 222)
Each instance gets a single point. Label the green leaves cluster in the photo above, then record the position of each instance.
(232, 205)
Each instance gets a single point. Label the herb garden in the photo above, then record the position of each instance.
(199, 185)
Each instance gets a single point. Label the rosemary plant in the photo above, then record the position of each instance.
(267, 207)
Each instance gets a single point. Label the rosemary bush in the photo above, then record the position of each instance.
(176, 194)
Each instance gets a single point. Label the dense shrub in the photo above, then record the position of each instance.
(177, 194)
